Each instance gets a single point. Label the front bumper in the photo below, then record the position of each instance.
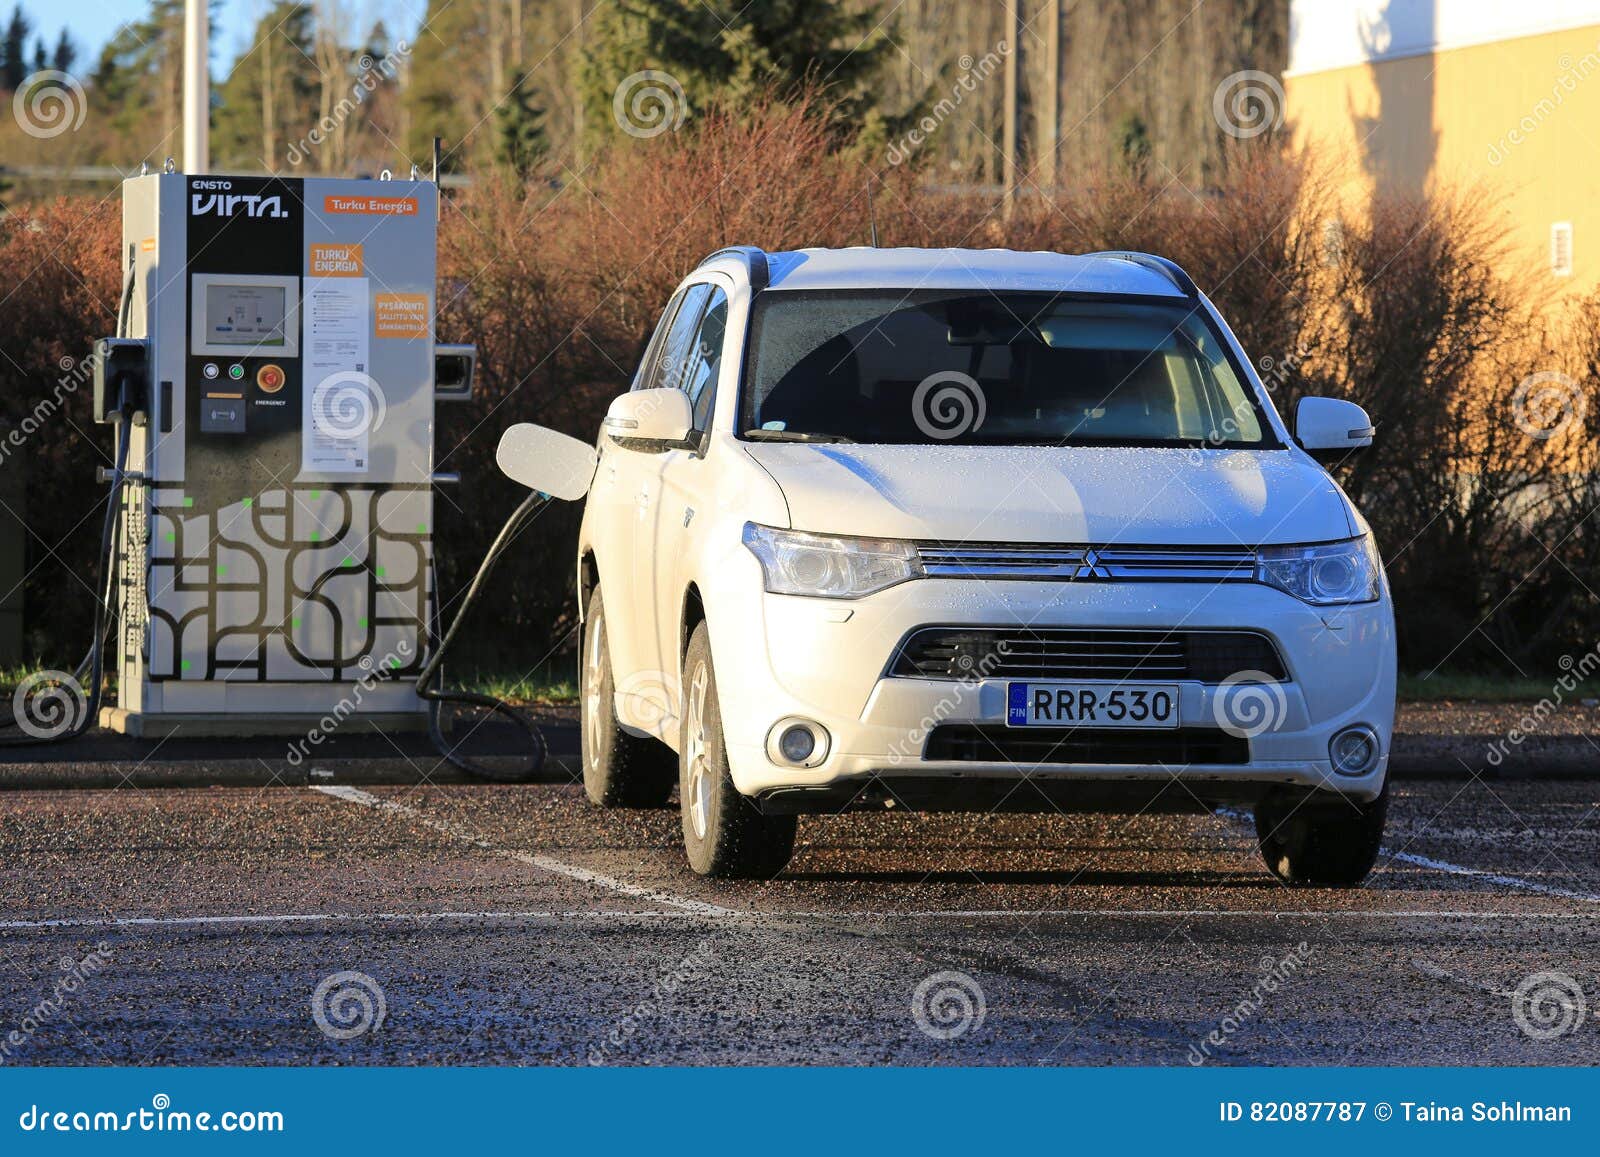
(825, 660)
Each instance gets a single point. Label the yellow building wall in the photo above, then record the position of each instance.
(1520, 117)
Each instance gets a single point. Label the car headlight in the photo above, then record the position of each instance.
(829, 566)
(1326, 575)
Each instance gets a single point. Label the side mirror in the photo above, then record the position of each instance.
(652, 420)
(1330, 429)
(544, 460)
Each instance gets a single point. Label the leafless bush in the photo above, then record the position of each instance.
(1408, 307)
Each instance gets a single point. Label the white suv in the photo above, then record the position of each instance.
(976, 529)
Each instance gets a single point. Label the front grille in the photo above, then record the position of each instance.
(1032, 746)
(1071, 653)
(1013, 560)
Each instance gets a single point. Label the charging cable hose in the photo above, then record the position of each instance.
(430, 682)
(92, 667)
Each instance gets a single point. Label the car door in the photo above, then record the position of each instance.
(647, 691)
(686, 483)
(613, 512)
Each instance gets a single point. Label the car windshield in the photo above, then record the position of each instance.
(954, 367)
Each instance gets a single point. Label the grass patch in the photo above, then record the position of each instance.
(549, 684)
(1485, 688)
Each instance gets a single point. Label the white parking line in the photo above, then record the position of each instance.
(253, 920)
(1491, 877)
(543, 863)
(1455, 869)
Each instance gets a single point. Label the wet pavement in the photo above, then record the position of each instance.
(479, 924)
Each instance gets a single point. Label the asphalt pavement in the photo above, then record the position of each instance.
(486, 924)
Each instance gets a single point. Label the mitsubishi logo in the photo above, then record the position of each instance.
(1091, 567)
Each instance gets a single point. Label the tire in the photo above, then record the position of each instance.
(619, 769)
(724, 834)
(1323, 840)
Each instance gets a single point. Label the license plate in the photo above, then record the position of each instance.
(1091, 705)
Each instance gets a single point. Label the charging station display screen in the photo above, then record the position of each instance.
(245, 315)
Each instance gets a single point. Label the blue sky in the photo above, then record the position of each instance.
(93, 22)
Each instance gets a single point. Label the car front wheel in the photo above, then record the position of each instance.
(1322, 840)
(724, 833)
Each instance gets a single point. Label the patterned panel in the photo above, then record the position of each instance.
(309, 582)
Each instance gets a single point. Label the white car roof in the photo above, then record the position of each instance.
(864, 267)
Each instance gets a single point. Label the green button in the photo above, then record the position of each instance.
(236, 371)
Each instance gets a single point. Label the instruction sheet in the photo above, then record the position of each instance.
(340, 400)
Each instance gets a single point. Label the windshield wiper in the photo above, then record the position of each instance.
(793, 436)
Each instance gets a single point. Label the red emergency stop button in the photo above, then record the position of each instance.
(270, 379)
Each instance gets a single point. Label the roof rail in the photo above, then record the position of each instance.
(755, 262)
(1168, 269)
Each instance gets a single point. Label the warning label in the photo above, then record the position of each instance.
(384, 206)
(401, 314)
(335, 261)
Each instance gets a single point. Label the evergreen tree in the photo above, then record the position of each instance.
(727, 50)
(269, 102)
(65, 55)
(520, 141)
(446, 95)
(14, 50)
(137, 84)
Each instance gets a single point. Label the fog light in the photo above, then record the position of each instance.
(797, 743)
(1354, 751)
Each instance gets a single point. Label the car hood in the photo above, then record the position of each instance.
(1057, 494)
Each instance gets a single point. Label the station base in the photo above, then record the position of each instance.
(236, 725)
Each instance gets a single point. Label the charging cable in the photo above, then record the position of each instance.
(430, 682)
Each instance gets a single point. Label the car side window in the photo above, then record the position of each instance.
(652, 351)
(677, 350)
(700, 381)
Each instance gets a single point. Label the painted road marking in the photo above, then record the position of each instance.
(1455, 869)
(256, 919)
(543, 863)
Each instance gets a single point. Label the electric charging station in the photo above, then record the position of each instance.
(274, 381)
